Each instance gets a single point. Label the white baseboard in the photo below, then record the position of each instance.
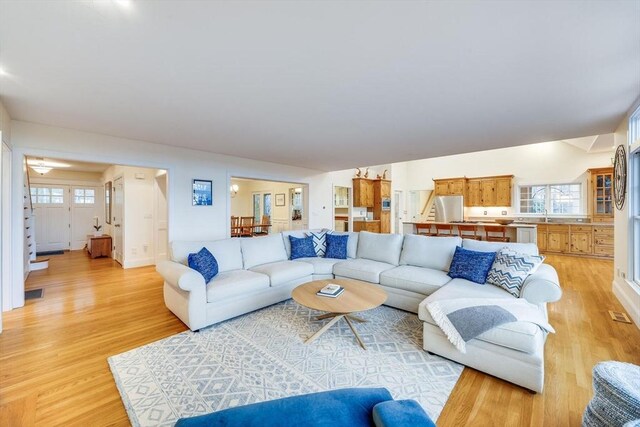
(143, 262)
(629, 298)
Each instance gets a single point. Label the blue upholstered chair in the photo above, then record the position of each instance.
(350, 407)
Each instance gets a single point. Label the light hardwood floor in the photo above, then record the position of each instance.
(53, 352)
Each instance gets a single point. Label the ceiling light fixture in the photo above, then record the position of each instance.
(41, 168)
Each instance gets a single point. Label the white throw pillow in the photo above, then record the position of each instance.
(510, 269)
(319, 242)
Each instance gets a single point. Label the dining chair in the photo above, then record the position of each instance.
(467, 231)
(424, 230)
(235, 226)
(496, 233)
(265, 222)
(443, 230)
(246, 226)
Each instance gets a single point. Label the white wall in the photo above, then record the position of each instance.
(185, 221)
(5, 213)
(544, 163)
(627, 293)
(5, 125)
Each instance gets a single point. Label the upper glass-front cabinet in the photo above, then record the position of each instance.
(601, 182)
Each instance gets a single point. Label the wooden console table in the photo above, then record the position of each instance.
(98, 246)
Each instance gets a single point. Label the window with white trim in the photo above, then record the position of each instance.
(556, 199)
(633, 191)
(84, 196)
(47, 196)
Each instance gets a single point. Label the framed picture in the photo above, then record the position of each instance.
(202, 192)
(107, 202)
(281, 199)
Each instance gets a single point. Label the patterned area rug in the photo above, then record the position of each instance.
(261, 356)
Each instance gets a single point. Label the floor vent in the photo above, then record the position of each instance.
(33, 294)
(618, 316)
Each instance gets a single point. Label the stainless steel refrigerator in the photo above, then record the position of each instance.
(449, 208)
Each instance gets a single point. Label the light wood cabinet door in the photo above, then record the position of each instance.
(362, 193)
(385, 189)
(503, 191)
(581, 242)
(441, 188)
(474, 194)
(456, 187)
(557, 241)
(488, 190)
(542, 240)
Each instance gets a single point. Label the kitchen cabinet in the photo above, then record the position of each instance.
(503, 191)
(542, 237)
(341, 197)
(581, 239)
(362, 192)
(488, 190)
(370, 226)
(474, 193)
(558, 238)
(382, 204)
(603, 240)
(601, 194)
(450, 187)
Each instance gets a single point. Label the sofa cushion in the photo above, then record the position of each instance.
(226, 251)
(295, 233)
(483, 246)
(262, 250)
(421, 280)
(521, 336)
(380, 247)
(352, 243)
(427, 251)
(396, 413)
(336, 246)
(284, 271)
(302, 247)
(361, 269)
(471, 265)
(319, 241)
(235, 283)
(204, 263)
(510, 269)
(321, 265)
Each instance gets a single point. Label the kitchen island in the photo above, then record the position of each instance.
(518, 232)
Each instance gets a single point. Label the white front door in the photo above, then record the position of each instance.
(86, 206)
(118, 219)
(51, 211)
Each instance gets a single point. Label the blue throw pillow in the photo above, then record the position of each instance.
(336, 246)
(204, 263)
(471, 265)
(302, 247)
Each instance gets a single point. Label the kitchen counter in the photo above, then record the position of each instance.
(610, 224)
(482, 224)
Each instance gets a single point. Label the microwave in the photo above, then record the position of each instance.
(386, 203)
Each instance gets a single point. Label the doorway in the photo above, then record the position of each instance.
(161, 218)
(52, 217)
(118, 218)
(397, 212)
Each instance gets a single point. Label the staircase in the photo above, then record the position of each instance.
(30, 261)
(428, 212)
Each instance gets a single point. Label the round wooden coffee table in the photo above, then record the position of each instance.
(357, 296)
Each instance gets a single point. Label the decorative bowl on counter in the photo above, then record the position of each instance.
(504, 221)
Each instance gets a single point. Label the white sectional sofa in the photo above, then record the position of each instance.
(257, 272)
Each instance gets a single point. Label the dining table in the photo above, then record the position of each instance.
(248, 230)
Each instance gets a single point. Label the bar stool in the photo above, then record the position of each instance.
(498, 233)
(468, 231)
(444, 230)
(424, 230)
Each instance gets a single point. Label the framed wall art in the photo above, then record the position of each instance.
(202, 192)
(281, 199)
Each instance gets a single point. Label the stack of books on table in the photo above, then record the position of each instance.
(331, 290)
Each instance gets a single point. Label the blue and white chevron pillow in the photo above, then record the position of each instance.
(319, 242)
(510, 269)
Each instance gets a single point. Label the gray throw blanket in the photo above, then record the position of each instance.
(462, 319)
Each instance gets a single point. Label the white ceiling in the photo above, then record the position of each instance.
(593, 144)
(327, 84)
(69, 165)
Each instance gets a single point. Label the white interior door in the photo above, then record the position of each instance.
(87, 204)
(52, 219)
(118, 219)
(161, 220)
(397, 206)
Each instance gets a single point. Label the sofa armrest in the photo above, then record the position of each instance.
(180, 276)
(542, 286)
